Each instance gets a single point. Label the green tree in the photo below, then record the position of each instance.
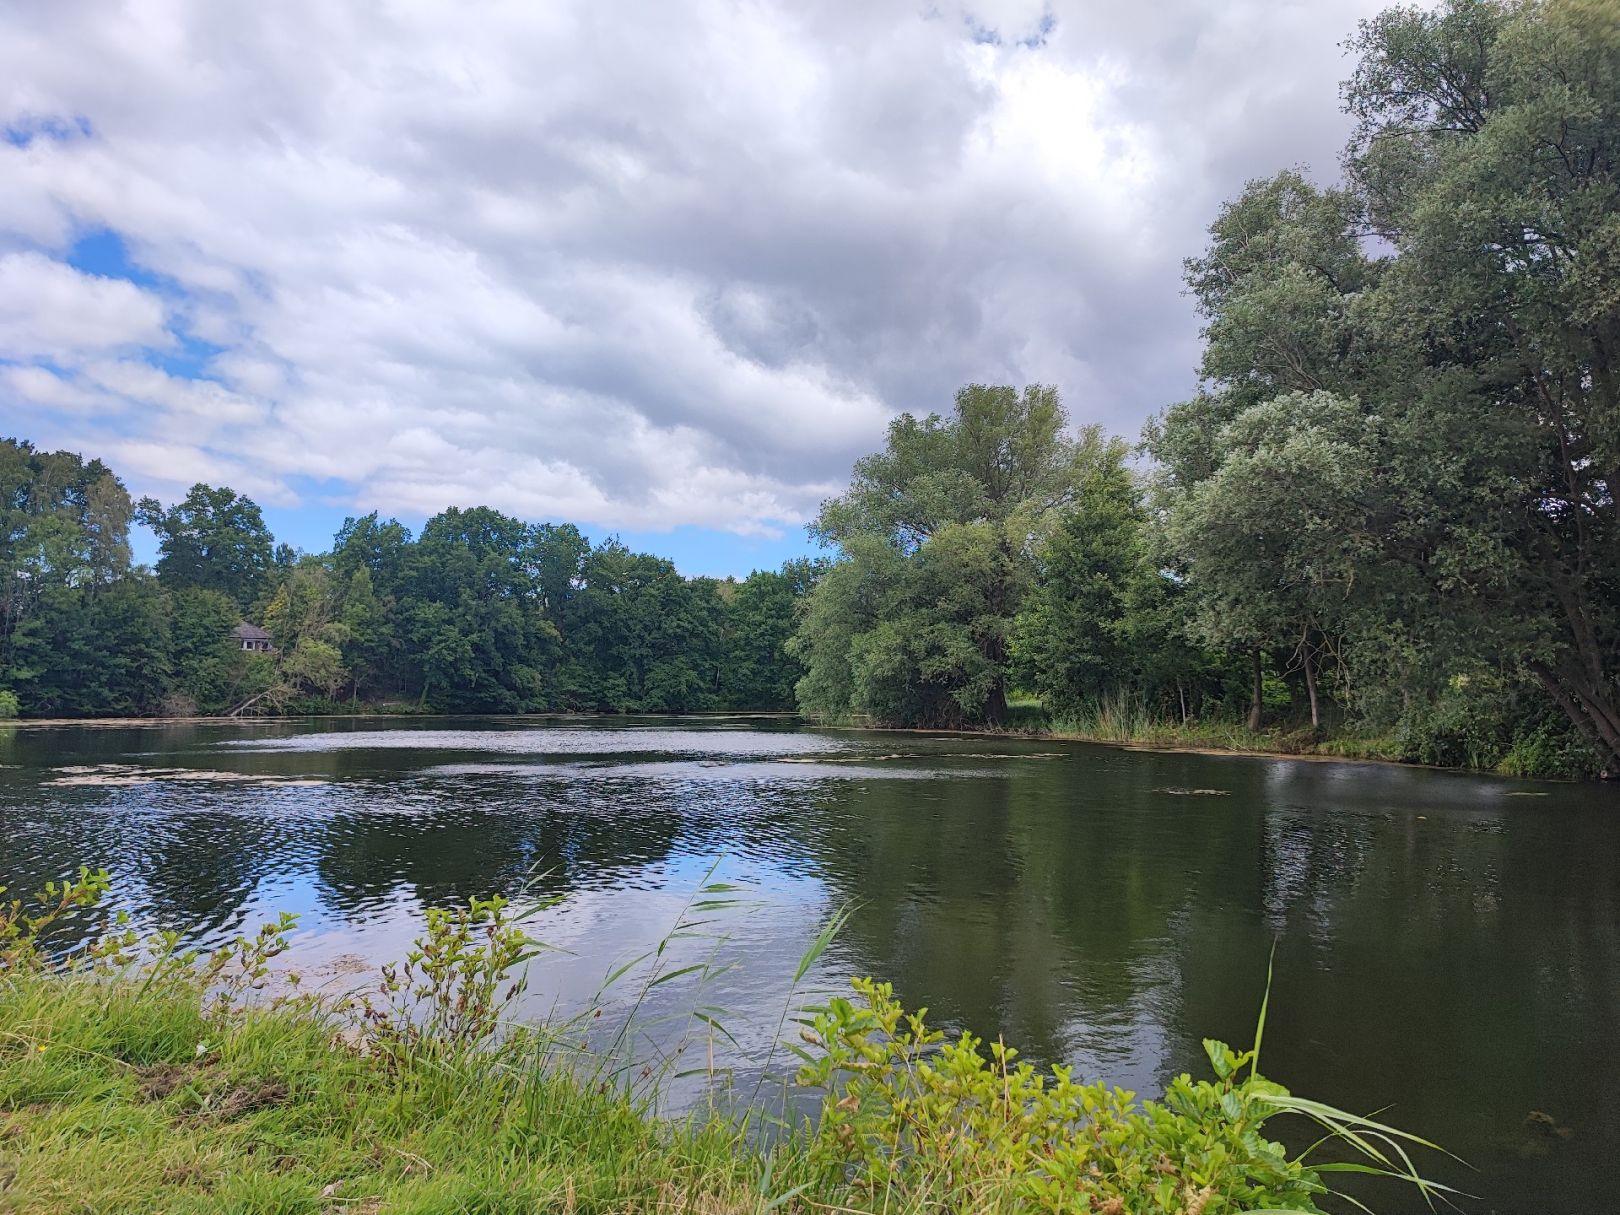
(1408, 457)
(760, 617)
(213, 540)
(639, 637)
(471, 615)
(64, 542)
(1487, 152)
(64, 521)
(92, 654)
(368, 641)
(313, 666)
(1073, 642)
(1285, 537)
(941, 530)
(380, 546)
(208, 663)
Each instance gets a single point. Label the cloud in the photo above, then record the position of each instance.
(640, 265)
(48, 309)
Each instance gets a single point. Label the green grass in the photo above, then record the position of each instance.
(1228, 736)
(1126, 720)
(138, 1078)
(114, 1101)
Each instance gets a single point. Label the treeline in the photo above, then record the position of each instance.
(481, 613)
(1391, 507)
(1388, 514)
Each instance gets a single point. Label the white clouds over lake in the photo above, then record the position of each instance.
(637, 265)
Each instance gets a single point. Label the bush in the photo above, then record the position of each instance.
(9, 705)
(1547, 745)
(1482, 722)
(917, 1120)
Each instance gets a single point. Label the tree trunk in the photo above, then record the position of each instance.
(1310, 688)
(1181, 694)
(1592, 716)
(995, 708)
(1255, 702)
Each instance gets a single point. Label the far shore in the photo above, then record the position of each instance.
(204, 720)
(1164, 748)
(1157, 746)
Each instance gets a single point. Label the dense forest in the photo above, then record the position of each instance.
(480, 613)
(1387, 513)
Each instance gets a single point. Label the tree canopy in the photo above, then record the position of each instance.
(480, 613)
(938, 535)
(1408, 445)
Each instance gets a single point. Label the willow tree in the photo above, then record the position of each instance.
(1488, 154)
(1459, 297)
(936, 537)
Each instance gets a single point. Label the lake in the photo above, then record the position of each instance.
(1447, 946)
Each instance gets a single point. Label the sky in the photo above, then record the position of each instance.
(661, 270)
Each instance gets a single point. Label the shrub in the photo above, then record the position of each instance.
(1547, 745)
(449, 992)
(913, 1119)
(9, 704)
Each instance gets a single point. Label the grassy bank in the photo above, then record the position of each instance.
(1547, 754)
(1230, 737)
(135, 1077)
(115, 1100)
(1030, 720)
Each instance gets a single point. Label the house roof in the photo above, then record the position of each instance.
(249, 632)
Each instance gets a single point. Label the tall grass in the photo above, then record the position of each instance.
(1123, 716)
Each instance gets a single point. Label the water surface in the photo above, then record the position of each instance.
(1447, 945)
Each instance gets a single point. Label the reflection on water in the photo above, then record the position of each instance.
(1446, 945)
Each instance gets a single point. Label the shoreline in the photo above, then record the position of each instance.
(1172, 748)
(131, 723)
(1152, 747)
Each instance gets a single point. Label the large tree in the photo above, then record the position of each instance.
(1073, 641)
(1488, 154)
(761, 614)
(1409, 437)
(64, 543)
(471, 613)
(214, 540)
(937, 536)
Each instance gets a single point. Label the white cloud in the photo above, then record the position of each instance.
(50, 309)
(638, 265)
(41, 387)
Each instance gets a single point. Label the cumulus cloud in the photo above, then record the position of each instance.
(47, 308)
(636, 265)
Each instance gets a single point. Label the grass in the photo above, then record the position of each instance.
(1127, 720)
(137, 1077)
(112, 1101)
(1228, 736)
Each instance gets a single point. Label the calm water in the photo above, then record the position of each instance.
(1447, 946)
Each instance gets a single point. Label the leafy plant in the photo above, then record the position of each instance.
(23, 923)
(915, 1117)
(451, 988)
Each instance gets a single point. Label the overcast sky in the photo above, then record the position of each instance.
(659, 268)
